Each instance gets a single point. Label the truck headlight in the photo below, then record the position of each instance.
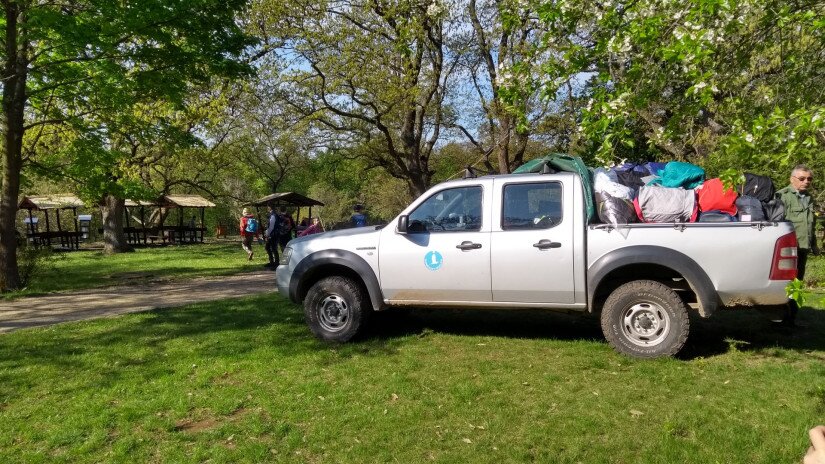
(285, 256)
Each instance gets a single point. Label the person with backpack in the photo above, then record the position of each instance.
(286, 227)
(272, 234)
(249, 230)
(800, 209)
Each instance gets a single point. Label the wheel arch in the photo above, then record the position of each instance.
(651, 263)
(324, 263)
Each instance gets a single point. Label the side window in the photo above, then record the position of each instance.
(531, 206)
(451, 210)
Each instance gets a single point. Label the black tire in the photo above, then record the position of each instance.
(336, 309)
(645, 319)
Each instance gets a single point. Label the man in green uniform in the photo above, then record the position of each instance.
(799, 209)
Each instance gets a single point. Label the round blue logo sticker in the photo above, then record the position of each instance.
(433, 260)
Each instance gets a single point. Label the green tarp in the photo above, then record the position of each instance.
(566, 163)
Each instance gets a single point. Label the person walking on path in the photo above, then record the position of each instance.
(800, 209)
(272, 235)
(250, 229)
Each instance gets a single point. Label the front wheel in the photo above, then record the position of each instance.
(645, 319)
(335, 309)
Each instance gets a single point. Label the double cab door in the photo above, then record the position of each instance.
(494, 242)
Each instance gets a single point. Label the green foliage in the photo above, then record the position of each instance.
(795, 291)
(34, 262)
(732, 81)
(110, 81)
(815, 270)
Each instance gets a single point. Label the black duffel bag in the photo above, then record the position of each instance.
(760, 187)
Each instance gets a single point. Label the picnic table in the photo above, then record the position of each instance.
(69, 240)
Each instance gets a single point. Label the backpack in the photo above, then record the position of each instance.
(251, 225)
(750, 209)
(285, 225)
(775, 210)
(715, 216)
(760, 187)
(359, 220)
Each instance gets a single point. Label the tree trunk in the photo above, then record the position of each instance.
(114, 240)
(9, 276)
(14, 75)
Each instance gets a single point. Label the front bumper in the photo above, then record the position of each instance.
(282, 274)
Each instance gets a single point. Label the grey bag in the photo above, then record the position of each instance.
(749, 209)
(665, 204)
(613, 210)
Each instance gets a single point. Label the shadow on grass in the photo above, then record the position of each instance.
(520, 323)
(744, 330)
(753, 330)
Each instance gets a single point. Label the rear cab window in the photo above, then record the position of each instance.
(531, 206)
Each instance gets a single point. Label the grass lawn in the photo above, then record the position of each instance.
(86, 269)
(244, 381)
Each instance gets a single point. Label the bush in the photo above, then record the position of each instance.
(33, 261)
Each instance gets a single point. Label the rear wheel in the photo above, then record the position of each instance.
(335, 309)
(645, 319)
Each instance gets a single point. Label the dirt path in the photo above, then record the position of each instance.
(111, 301)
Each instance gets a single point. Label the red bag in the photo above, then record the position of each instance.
(714, 196)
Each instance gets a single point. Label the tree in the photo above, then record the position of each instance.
(504, 35)
(79, 64)
(371, 73)
(728, 83)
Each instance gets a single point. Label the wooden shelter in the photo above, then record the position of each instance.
(287, 199)
(190, 232)
(137, 235)
(47, 203)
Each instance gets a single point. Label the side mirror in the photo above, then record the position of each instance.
(403, 224)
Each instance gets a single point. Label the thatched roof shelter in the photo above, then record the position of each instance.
(286, 198)
(44, 202)
(136, 203)
(189, 232)
(185, 201)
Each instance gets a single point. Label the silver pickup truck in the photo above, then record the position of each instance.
(522, 241)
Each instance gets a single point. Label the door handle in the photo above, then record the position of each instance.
(468, 245)
(545, 244)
